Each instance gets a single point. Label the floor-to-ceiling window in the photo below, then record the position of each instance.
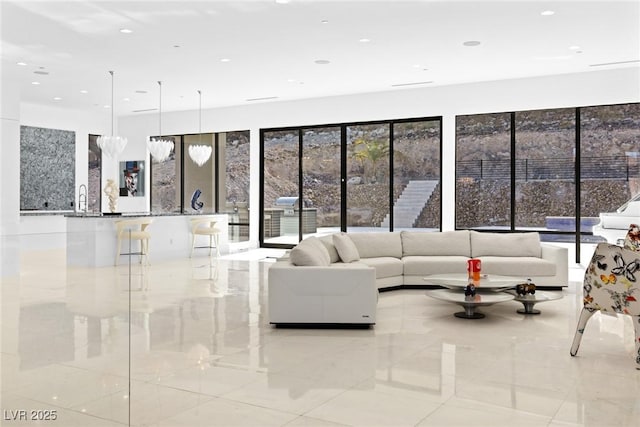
(416, 175)
(609, 160)
(93, 193)
(165, 180)
(554, 171)
(321, 180)
(220, 185)
(345, 177)
(281, 185)
(545, 145)
(367, 177)
(483, 171)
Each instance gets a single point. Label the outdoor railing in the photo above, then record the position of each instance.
(613, 167)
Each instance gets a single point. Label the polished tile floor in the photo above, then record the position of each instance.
(199, 351)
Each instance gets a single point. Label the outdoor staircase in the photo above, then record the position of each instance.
(410, 203)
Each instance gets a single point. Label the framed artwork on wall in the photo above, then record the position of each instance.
(132, 178)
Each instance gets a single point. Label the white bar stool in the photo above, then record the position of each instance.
(138, 228)
(205, 226)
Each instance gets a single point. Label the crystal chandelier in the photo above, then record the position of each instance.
(200, 153)
(160, 148)
(112, 145)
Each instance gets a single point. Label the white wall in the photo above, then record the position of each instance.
(570, 90)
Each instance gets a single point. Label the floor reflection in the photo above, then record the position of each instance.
(197, 348)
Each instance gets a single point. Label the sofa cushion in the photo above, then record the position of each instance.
(518, 266)
(507, 244)
(327, 241)
(435, 264)
(309, 252)
(345, 247)
(436, 243)
(377, 244)
(385, 266)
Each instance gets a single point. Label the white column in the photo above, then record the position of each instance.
(9, 173)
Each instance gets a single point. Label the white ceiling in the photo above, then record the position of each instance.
(272, 47)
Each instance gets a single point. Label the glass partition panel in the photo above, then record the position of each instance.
(545, 170)
(321, 180)
(281, 188)
(483, 171)
(367, 177)
(199, 181)
(416, 180)
(610, 170)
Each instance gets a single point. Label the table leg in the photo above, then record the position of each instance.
(469, 313)
(528, 308)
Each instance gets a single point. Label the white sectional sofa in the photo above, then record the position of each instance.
(335, 278)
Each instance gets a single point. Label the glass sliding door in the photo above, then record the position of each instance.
(321, 180)
(610, 168)
(416, 176)
(483, 171)
(545, 171)
(281, 170)
(367, 177)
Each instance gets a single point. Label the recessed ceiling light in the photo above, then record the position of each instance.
(141, 91)
(106, 106)
(35, 83)
(57, 98)
(283, 1)
(40, 72)
(322, 61)
(574, 47)
(324, 21)
(22, 64)
(471, 43)
(126, 31)
(84, 91)
(126, 99)
(265, 98)
(547, 13)
(225, 60)
(411, 84)
(364, 40)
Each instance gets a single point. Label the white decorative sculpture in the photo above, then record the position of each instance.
(112, 191)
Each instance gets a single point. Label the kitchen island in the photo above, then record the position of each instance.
(92, 240)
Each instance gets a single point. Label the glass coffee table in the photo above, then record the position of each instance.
(530, 300)
(469, 303)
(491, 282)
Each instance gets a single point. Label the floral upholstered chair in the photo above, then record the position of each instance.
(611, 285)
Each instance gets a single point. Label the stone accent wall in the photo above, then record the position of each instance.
(47, 169)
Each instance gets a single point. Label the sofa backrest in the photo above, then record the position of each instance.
(377, 244)
(420, 243)
(505, 244)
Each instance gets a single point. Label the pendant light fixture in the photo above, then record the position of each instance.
(200, 153)
(160, 148)
(112, 145)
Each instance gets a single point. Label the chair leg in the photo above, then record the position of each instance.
(216, 238)
(210, 244)
(193, 244)
(636, 326)
(585, 315)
